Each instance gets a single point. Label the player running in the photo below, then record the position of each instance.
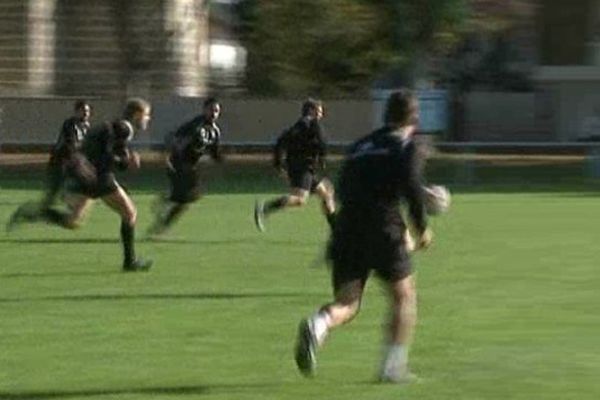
(64, 158)
(190, 142)
(105, 149)
(305, 152)
(380, 171)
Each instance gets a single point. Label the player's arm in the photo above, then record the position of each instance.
(322, 146)
(124, 158)
(415, 196)
(215, 148)
(180, 140)
(69, 139)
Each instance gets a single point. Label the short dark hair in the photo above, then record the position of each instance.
(401, 108)
(309, 105)
(210, 101)
(79, 104)
(135, 105)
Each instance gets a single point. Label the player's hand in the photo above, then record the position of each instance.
(134, 159)
(425, 239)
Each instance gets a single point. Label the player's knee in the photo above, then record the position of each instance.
(405, 293)
(341, 312)
(302, 200)
(133, 216)
(329, 201)
(330, 196)
(130, 216)
(353, 308)
(297, 200)
(350, 310)
(349, 306)
(330, 190)
(326, 188)
(73, 223)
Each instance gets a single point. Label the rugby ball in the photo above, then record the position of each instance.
(437, 199)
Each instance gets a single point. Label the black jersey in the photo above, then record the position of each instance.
(69, 139)
(194, 139)
(106, 146)
(380, 171)
(303, 145)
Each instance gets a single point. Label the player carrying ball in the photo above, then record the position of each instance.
(380, 170)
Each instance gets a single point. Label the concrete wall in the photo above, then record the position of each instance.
(575, 100)
(542, 116)
(579, 110)
(254, 121)
(494, 116)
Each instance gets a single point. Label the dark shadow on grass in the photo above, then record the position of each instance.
(52, 274)
(181, 240)
(10, 202)
(297, 243)
(165, 240)
(193, 390)
(250, 239)
(259, 178)
(61, 240)
(593, 194)
(154, 296)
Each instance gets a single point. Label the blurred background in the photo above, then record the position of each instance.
(487, 71)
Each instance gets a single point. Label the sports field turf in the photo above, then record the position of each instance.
(509, 297)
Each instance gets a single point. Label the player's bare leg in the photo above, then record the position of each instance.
(326, 193)
(296, 198)
(32, 212)
(401, 326)
(409, 241)
(313, 330)
(123, 205)
(79, 206)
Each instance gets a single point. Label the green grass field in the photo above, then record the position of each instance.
(509, 297)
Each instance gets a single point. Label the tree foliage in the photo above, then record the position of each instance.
(336, 47)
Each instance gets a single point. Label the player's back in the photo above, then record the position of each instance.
(303, 143)
(95, 144)
(377, 173)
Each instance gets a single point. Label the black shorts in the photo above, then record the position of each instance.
(184, 185)
(56, 174)
(103, 185)
(358, 246)
(303, 178)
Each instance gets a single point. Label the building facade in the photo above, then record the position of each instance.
(103, 47)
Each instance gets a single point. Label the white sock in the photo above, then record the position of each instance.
(320, 322)
(395, 359)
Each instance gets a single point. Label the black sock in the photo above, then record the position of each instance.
(173, 214)
(275, 204)
(55, 217)
(330, 219)
(128, 237)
